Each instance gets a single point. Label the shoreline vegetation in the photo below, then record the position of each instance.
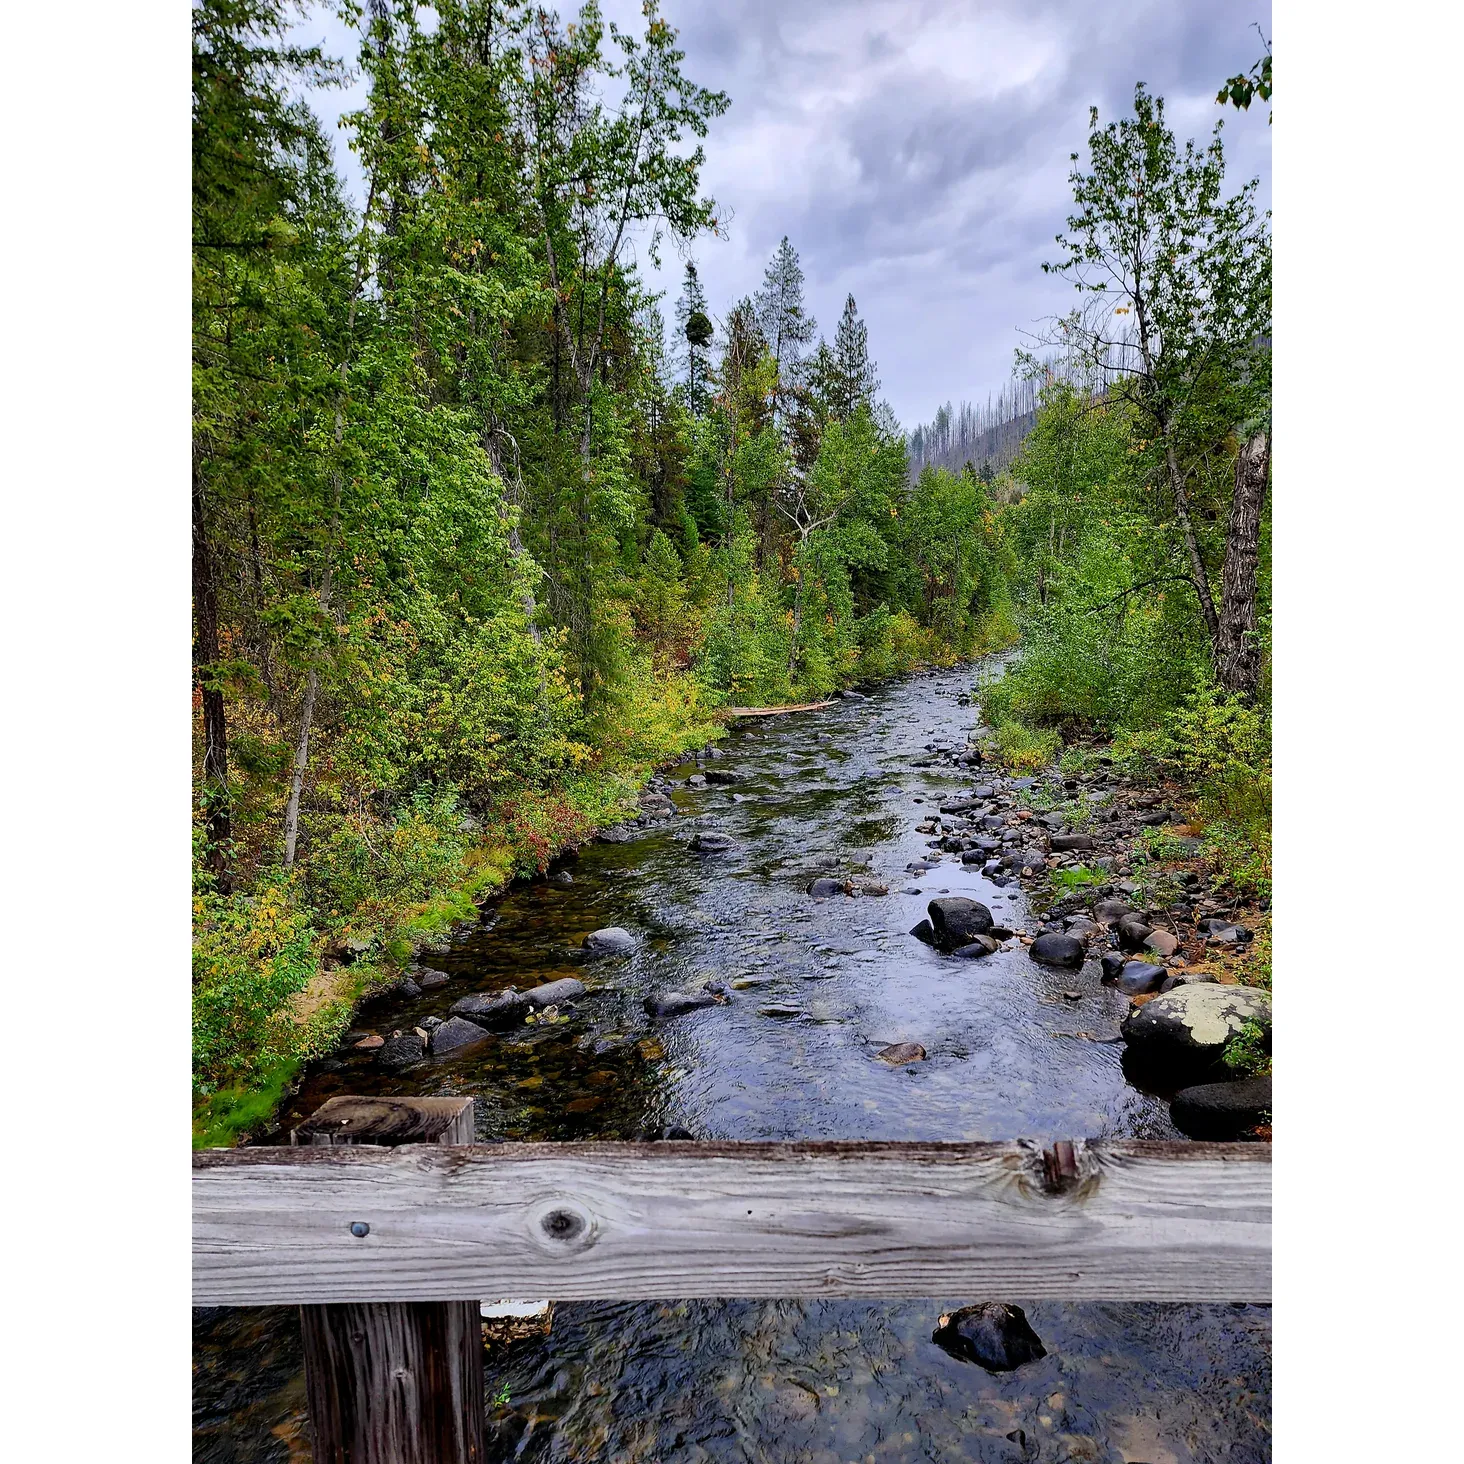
(481, 537)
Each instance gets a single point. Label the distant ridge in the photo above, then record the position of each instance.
(988, 436)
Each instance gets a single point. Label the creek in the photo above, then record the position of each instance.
(817, 988)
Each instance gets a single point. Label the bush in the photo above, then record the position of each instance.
(1026, 749)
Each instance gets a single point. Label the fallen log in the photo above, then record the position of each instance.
(773, 711)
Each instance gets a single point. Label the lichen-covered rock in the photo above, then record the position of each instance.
(993, 1334)
(1186, 1031)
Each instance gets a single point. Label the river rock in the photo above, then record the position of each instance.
(1186, 1031)
(976, 947)
(1056, 949)
(822, 889)
(992, 1334)
(494, 1013)
(552, 993)
(427, 979)
(1067, 843)
(373, 1042)
(901, 1052)
(657, 805)
(611, 941)
(924, 931)
(455, 1034)
(1187, 978)
(1162, 943)
(674, 1003)
(1137, 978)
(957, 920)
(401, 1050)
(723, 776)
(1110, 912)
(408, 988)
(1221, 1110)
(697, 780)
(1132, 933)
(710, 842)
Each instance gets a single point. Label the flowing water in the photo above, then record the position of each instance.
(818, 988)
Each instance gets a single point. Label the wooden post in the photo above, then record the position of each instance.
(392, 1382)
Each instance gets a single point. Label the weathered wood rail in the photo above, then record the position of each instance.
(1134, 1221)
(381, 1217)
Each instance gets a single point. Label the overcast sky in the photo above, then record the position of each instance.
(916, 153)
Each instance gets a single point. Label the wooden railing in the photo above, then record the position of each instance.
(381, 1217)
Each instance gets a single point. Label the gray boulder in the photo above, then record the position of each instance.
(1221, 1110)
(710, 842)
(822, 889)
(1186, 1031)
(1067, 843)
(957, 921)
(456, 1034)
(674, 1003)
(495, 1013)
(611, 941)
(552, 993)
(1056, 949)
(401, 1050)
(1137, 978)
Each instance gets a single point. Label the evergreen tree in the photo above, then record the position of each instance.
(853, 380)
(694, 332)
(786, 325)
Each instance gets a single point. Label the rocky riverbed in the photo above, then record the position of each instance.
(845, 923)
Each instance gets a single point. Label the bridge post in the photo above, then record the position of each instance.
(393, 1382)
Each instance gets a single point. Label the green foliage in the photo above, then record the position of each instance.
(1248, 1053)
(1026, 749)
(1066, 880)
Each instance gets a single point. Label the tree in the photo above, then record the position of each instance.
(1156, 244)
(786, 325)
(696, 331)
(852, 381)
(1241, 88)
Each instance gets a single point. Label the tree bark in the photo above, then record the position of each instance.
(215, 723)
(1236, 651)
(1198, 574)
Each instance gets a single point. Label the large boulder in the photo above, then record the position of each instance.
(1111, 910)
(1162, 943)
(495, 1013)
(1185, 1032)
(552, 993)
(1055, 949)
(611, 941)
(957, 921)
(1222, 1110)
(455, 1035)
(992, 1334)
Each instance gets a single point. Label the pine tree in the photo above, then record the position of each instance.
(854, 381)
(694, 332)
(786, 324)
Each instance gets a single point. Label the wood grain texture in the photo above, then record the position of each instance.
(391, 1382)
(1130, 1221)
(388, 1121)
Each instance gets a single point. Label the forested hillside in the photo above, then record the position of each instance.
(987, 437)
(479, 536)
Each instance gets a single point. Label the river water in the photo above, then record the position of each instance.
(818, 988)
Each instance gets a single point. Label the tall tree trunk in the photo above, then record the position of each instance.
(215, 724)
(1198, 574)
(1237, 654)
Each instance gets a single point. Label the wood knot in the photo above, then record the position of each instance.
(1060, 1167)
(562, 1227)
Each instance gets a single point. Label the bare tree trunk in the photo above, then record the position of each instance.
(1198, 575)
(1237, 654)
(215, 724)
